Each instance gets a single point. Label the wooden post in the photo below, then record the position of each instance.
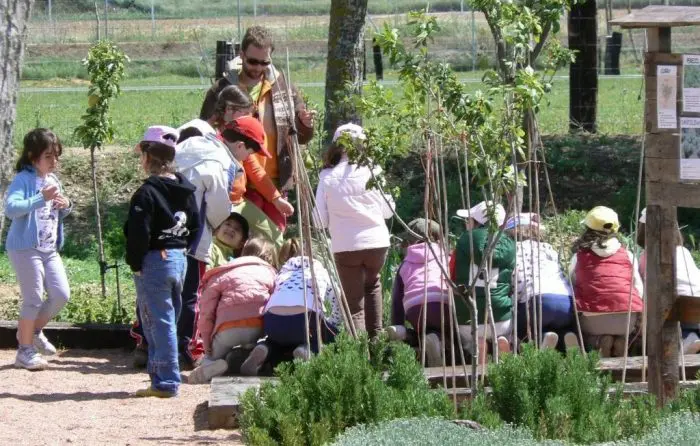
(661, 227)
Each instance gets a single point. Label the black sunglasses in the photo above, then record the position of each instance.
(254, 61)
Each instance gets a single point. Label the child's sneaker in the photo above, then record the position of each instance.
(43, 346)
(255, 360)
(688, 343)
(30, 359)
(302, 353)
(207, 370)
(397, 333)
(571, 341)
(433, 350)
(150, 391)
(503, 344)
(549, 340)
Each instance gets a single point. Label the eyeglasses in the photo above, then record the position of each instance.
(254, 61)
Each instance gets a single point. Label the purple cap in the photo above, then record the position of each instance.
(162, 134)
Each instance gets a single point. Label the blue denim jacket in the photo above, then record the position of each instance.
(21, 204)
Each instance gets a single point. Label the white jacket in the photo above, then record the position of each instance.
(353, 214)
(207, 164)
(538, 271)
(289, 289)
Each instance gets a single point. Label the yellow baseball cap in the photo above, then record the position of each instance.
(602, 219)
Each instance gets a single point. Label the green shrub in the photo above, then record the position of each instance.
(561, 397)
(315, 401)
(432, 432)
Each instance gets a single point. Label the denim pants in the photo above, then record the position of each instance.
(290, 330)
(557, 315)
(158, 297)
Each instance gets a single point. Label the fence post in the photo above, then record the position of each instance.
(153, 20)
(106, 18)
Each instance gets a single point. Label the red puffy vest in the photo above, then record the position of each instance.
(603, 284)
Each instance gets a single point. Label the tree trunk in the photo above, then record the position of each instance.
(583, 73)
(345, 56)
(14, 15)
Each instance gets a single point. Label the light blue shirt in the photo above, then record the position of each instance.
(21, 205)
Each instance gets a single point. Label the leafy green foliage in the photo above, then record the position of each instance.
(560, 397)
(105, 64)
(316, 400)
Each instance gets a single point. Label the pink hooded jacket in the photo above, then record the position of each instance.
(412, 272)
(233, 292)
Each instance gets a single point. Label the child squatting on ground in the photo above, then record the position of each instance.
(284, 319)
(543, 292)
(482, 223)
(420, 290)
(687, 281)
(36, 205)
(163, 221)
(231, 307)
(606, 282)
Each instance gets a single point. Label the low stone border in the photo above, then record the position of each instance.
(65, 335)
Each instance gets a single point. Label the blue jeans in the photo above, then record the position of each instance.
(158, 298)
(290, 331)
(557, 315)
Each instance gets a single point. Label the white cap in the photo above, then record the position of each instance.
(643, 216)
(480, 213)
(354, 130)
(525, 219)
(199, 124)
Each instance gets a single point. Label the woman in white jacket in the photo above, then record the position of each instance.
(355, 218)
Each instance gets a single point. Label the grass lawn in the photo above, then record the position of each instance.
(619, 112)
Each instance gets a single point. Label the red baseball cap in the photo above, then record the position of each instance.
(253, 129)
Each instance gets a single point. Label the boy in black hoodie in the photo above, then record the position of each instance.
(163, 221)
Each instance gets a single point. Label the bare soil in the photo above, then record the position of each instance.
(86, 397)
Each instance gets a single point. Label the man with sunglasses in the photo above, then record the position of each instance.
(270, 93)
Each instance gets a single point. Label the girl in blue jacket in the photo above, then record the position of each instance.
(37, 206)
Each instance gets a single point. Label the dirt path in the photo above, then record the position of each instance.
(86, 398)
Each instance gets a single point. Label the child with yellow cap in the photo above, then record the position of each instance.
(606, 282)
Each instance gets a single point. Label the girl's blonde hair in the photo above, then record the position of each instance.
(290, 248)
(527, 232)
(262, 248)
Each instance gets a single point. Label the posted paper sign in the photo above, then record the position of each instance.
(691, 83)
(666, 94)
(690, 149)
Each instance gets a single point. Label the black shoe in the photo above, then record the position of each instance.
(186, 364)
(140, 357)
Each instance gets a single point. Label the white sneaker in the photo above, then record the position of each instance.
(571, 341)
(397, 333)
(205, 372)
(302, 353)
(43, 345)
(255, 360)
(433, 350)
(30, 359)
(688, 343)
(549, 340)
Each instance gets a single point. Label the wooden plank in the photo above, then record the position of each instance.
(658, 16)
(659, 39)
(662, 145)
(662, 170)
(628, 390)
(225, 393)
(683, 195)
(612, 365)
(660, 296)
(661, 59)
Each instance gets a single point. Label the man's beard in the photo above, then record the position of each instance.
(251, 74)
